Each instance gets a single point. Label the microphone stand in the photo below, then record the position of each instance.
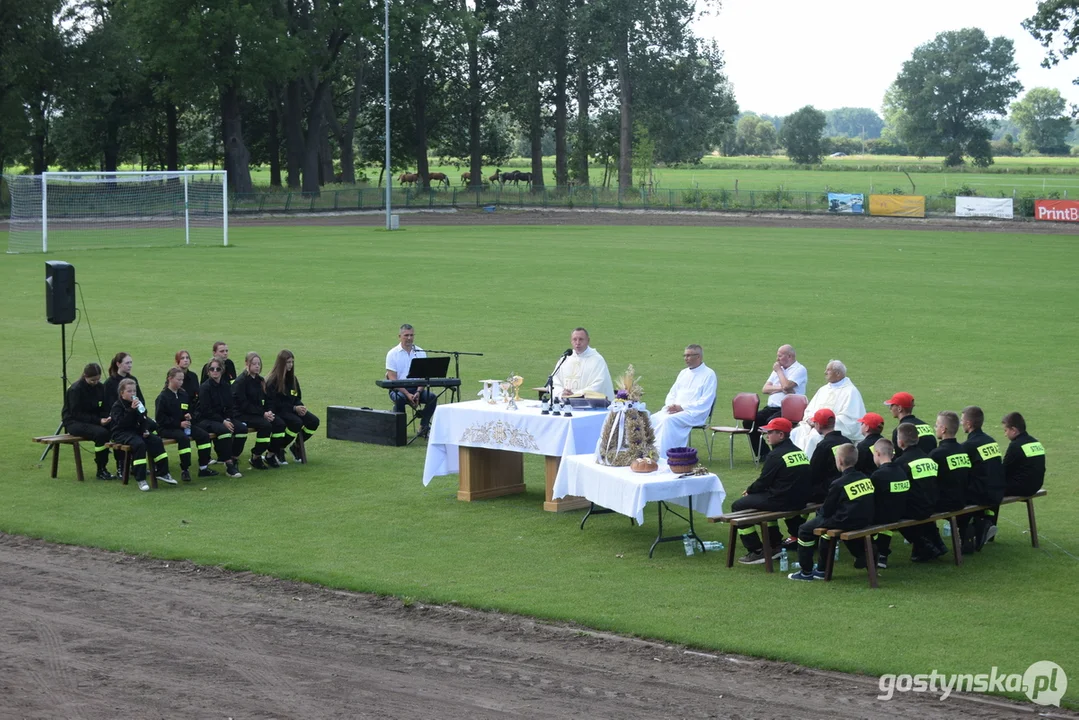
(456, 366)
(550, 378)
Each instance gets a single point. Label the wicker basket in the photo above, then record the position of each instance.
(682, 460)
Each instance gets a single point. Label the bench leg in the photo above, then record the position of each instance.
(732, 538)
(766, 539)
(831, 541)
(957, 542)
(55, 457)
(301, 446)
(127, 466)
(78, 461)
(1030, 516)
(871, 561)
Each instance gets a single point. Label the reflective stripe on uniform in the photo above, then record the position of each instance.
(1033, 449)
(795, 458)
(959, 460)
(161, 457)
(920, 469)
(747, 531)
(989, 451)
(858, 488)
(924, 430)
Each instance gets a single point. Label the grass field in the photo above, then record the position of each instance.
(955, 319)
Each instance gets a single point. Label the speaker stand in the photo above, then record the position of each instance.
(63, 381)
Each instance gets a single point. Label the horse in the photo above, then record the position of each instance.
(511, 176)
(466, 177)
(525, 177)
(494, 178)
(408, 178)
(438, 178)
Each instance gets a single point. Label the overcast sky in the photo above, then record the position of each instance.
(783, 54)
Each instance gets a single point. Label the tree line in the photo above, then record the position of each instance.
(297, 85)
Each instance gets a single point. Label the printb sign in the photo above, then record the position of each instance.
(1057, 210)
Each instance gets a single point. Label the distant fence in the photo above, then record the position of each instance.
(572, 197)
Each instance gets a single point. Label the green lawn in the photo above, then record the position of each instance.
(954, 318)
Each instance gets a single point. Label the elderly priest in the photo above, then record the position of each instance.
(583, 371)
(688, 403)
(841, 397)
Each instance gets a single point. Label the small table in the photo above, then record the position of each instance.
(485, 443)
(620, 490)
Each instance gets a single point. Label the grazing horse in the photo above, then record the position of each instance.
(466, 177)
(408, 178)
(438, 178)
(525, 177)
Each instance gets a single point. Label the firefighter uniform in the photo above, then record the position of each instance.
(784, 484)
(865, 454)
(84, 409)
(921, 470)
(284, 406)
(1024, 466)
(822, 465)
(953, 469)
(249, 397)
(172, 408)
(985, 487)
(133, 428)
(215, 406)
(927, 439)
(891, 487)
(228, 375)
(848, 505)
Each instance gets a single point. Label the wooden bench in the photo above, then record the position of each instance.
(747, 518)
(832, 536)
(125, 474)
(54, 442)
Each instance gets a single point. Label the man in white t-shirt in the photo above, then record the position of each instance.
(789, 377)
(398, 360)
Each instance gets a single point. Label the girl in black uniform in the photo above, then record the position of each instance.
(86, 414)
(120, 369)
(215, 414)
(131, 426)
(287, 401)
(249, 394)
(173, 414)
(191, 380)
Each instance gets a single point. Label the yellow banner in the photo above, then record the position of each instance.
(897, 205)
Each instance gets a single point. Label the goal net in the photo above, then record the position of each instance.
(90, 210)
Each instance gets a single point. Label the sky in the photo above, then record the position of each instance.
(781, 55)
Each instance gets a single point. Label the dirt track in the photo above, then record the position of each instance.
(95, 635)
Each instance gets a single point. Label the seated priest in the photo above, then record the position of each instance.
(688, 404)
(842, 398)
(584, 370)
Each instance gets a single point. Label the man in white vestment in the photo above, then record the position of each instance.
(841, 397)
(687, 404)
(584, 370)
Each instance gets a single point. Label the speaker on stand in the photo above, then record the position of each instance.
(60, 310)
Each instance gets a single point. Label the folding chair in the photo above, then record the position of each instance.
(703, 427)
(744, 407)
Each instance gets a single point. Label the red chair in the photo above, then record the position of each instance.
(794, 408)
(745, 406)
(703, 427)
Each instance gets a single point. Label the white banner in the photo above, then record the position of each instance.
(983, 207)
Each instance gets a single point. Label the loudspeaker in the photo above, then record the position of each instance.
(381, 427)
(59, 292)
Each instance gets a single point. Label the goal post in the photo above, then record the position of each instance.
(94, 210)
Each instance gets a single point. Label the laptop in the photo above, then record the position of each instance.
(429, 367)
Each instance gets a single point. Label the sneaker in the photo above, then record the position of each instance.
(882, 562)
(799, 576)
(271, 460)
(818, 574)
(230, 470)
(167, 479)
(144, 486)
(753, 558)
(990, 534)
(217, 462)
(104, 474)
(281, 457)
(296, 454)
(207, 472)
(185, 475)
(257, 462)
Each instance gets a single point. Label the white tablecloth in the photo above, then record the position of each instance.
(626, 492)
(480, 424)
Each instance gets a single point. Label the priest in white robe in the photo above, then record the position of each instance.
(584, 370)
(841, 397)
(687, 404)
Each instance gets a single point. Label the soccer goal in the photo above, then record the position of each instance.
(91, 210)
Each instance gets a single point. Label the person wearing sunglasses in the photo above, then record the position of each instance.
(215, 415)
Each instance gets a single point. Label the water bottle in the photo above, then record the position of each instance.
(141, 408)
(688, 542)
(784, 561)
(187, 431)
(713, 545)
(837, 550)
(947, 529)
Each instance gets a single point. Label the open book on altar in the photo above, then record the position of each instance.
(588, 394)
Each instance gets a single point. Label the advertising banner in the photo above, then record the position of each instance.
(897, 205)
(984, 207)
(846, 203)
(1057, 210)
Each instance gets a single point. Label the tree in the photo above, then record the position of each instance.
(1055, 16)
(949, 90)
(853, 122)
(755, 136)
(801, 135)
(1042, 121)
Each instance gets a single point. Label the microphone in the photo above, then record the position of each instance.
(567, 353)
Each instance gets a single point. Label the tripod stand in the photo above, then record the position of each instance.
(63, 380)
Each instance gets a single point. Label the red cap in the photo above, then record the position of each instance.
(779, 423)
(902, 399)
(872, 419)
(822, 416)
